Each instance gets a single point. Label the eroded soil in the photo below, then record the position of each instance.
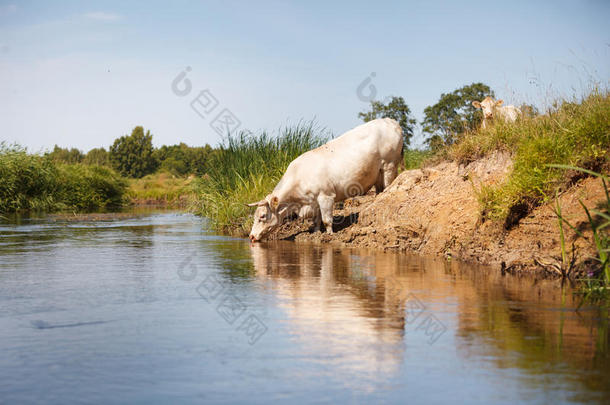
(435, 211)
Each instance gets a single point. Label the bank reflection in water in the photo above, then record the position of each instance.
(340, 313)
(350, 309)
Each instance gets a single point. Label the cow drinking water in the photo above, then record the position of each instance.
(347, 166)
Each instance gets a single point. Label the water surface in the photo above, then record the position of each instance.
(154, 309)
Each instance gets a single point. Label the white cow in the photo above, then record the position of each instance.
(492, 109)
(347, 166)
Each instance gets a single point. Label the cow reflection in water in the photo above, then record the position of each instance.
(343, 315)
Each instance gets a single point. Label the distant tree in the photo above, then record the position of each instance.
(65, 155)
(396, 109)
(454, 114)
(132, 155)
(200, 160)
(97, 156)
(183, 159)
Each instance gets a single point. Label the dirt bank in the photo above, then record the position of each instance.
(435, 211)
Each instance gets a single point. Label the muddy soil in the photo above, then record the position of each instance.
(435, 211)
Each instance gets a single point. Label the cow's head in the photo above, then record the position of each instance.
(488, 105)
(266, 217)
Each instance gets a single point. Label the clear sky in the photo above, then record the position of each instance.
(80, 73)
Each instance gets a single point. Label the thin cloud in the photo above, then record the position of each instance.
(102, 16)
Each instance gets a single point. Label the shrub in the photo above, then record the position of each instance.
(87, 188)
(29, 182)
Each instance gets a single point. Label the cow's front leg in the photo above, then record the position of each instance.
(317, 221)
(315, 216)
(327, 204)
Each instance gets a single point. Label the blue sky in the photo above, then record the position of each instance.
(78, 73)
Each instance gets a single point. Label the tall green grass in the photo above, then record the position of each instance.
(599, 223)
(28, 182)
(31, 182)
(90, 188)
(160, 188)
(245, 168)
(575, 133)
(416, 158)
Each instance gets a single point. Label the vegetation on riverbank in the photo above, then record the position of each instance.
(161, 188)
(596, 284)
(575, 133)
(218, 182)
(32, 182)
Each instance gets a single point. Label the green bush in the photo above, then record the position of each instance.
(87, 188)
(31, 182)
(415, 158)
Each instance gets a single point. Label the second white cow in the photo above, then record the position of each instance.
(347, 166)
(492, 109)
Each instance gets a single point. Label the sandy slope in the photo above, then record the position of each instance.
(434, 211)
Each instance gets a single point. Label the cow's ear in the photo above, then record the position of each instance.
(275, 202)
(476, 104)
(499, 103)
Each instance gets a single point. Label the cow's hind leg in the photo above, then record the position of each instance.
(326, 204)
(390, 171)
(379, 184)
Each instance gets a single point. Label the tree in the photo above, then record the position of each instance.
(182, 159)
(132, 155)
(65, 155)
(395, 109)
(96, 156)
(454, 114)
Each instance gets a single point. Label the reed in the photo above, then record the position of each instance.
(245, 168)
(31, 182)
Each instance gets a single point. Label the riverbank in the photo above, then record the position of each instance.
(160, 190)
(436, 211)
(493, 197)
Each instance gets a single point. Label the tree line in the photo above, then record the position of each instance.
(135, 156)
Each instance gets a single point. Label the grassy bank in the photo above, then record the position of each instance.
(575, 133)
(415, 158)
(244, 169)
(550, 153)
(31, 182)
(160, 189)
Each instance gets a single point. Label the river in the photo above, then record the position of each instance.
(157, 309)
